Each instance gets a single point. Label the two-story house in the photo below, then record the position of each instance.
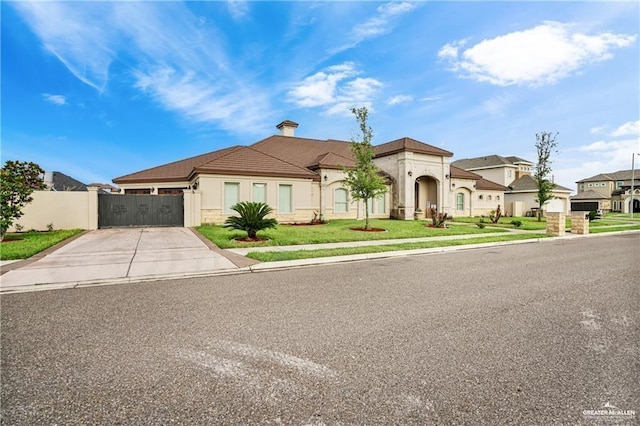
(514, 173)
(609, 192)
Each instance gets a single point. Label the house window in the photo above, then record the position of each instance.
(380, 207)
(260, 192)
(619, 184)
(370, 205)
(581, 186)
(488, 197)
(497, 197)
(341, 200)
(231, 196)
(285, 196)
(590, 185)
(480, 197)
(510, 173)
(460, 201)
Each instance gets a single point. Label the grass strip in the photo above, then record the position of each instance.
(274, 256)
(25, 245)
(613, 229)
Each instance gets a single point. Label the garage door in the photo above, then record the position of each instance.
(584, 206)
(140, 210)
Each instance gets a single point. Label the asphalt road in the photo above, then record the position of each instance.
(524, 334)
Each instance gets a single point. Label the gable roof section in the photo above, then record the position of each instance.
(527, 183)
(588, 195)
(411, 145)
(250, 162)
(331, 160)
(175, 171)
(488, 161)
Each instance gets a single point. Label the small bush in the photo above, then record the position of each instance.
(18, 227)
(50, 227)
(516, 223)
(481, 224)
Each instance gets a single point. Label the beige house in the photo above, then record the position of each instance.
(609, 192)
(514, 173)
(301, 178)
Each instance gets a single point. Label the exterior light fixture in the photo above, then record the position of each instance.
(410, 173)
(326, 178)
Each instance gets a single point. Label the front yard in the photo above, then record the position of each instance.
(337, 231)
(25, 244)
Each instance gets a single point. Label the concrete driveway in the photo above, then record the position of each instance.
(120, 254)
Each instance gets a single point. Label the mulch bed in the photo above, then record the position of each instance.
(12, 239)
(304, 224)
(250, 240)
(369, 230)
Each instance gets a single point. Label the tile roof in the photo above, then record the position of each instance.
(411, 145)
(488, 185)
(619, 175)
(331, 160)
(588, 195)
(458, 173)
(175, 171)
(302, 152)
(250, 162)
(528, 183)
(488, 161)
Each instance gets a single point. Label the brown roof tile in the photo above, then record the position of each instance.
(459, 173)
(331, 160)
(411, 145)
(302, 152)
(489, 185)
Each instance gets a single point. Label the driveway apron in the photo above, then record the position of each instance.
(111, 254)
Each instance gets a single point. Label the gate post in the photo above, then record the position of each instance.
(92, 192)
(579, 222)
(192, 207)
(556, 224)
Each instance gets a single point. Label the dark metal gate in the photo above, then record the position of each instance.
(140, 210)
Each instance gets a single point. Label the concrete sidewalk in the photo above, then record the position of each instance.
(120, 254)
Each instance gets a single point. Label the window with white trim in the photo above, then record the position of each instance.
(619, 184)
(285, 198)
(460, 201)
(341, 200)
(380, 204)
(231, 196)
(259, 193)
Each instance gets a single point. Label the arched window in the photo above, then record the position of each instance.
(459, 201)
(341, 200)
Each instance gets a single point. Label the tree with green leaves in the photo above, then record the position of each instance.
(18, 180)
(545, 145)
(252, 218)
(365, 181)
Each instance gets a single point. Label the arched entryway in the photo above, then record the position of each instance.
(425, 196)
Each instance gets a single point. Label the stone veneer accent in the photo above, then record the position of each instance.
(556, 224)
(579, 222)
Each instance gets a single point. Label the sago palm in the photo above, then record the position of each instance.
(252, 218)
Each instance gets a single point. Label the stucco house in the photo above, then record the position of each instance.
(303, 177)
(514, 173)
(609, 192)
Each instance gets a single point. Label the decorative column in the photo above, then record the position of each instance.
(556, 224)
(580, 223)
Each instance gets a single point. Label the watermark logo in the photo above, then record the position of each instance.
(610, 414)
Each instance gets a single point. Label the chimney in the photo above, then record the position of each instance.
(287, 128)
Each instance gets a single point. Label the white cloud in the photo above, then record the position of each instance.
(336, 89)
(536, 56)
(597, 130)
(379, 24)
(55, 99)
(239, 9)
(632, 128)
(399, 99)
(174, 58)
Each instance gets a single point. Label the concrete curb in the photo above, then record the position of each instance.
(294, 264)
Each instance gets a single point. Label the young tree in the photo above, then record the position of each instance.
(545, 145)
(364, 181)
(18, 180)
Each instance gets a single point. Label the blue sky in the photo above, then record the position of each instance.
(97, 90)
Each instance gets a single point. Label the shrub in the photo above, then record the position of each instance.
(516, 223)
(481, 224)
(50, 227)
(252, 218)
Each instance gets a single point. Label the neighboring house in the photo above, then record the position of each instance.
(56, 181)
(514, 173)
(300, 177)
(609, 192)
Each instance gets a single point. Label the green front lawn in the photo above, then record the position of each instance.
(25, 245)
(274, 256)
(528, 223)
(336, 231)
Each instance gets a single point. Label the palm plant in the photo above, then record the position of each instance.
(252, 218)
